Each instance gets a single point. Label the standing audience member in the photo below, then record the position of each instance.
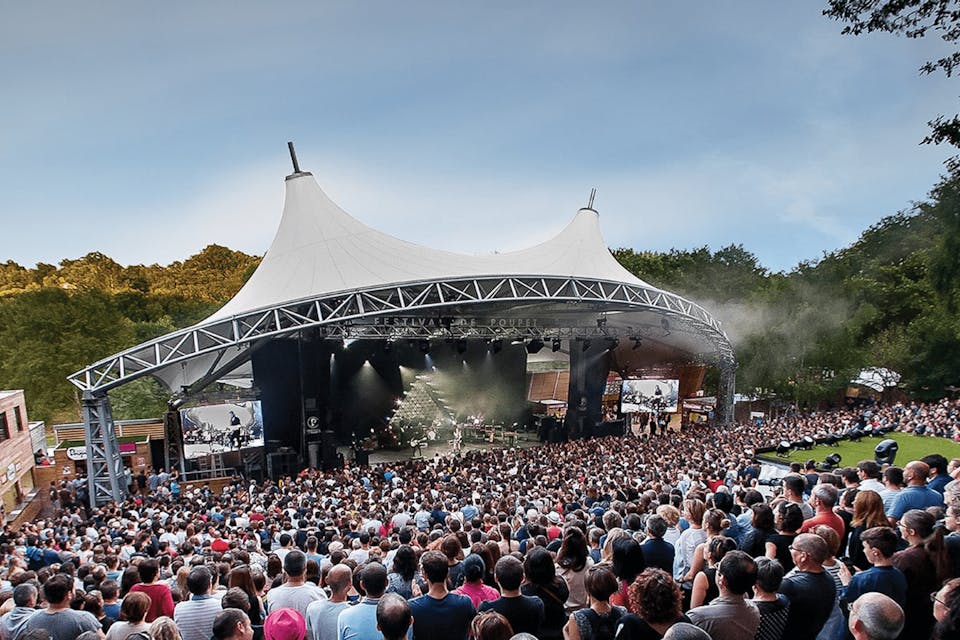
(874, 616)
(731, 616)
(321, 618)
(133, 611)
(774, 607)
(879, 545)
(25, 602)
(917, 495)
(393, 617)
(62, 622)
(230, 624)
(811, 591)
(295, 592)
(601, 619)
(573, 561)
(439, 613)
(657, 553)
(925, 564)
(285, 624)
(657, 602)
(195, 617)
(946, 611)
(525, 613)
(543, 582)
(359, 622)
(161, 601)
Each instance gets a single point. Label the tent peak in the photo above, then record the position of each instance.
(297, 173)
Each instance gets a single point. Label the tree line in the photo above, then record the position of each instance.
(890, 300)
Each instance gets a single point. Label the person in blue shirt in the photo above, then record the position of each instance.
(879, 545)
(917, 495)
(439, 613)
(359, 622)
(938, 477)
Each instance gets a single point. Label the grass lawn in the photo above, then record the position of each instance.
(911, 448)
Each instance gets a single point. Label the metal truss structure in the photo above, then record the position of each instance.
(372, 313)
(104, 466)
(579, 308)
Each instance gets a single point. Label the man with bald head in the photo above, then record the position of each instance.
(393, 617)
(812, 592)
(874, 616)
(322, 615)
(917, 495)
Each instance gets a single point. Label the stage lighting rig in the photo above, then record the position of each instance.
(783, 449)
(555, 345)
(832, 461)
(886, 451)
(534, 345)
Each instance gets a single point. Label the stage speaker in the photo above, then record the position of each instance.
(328, 450)
(281, 463)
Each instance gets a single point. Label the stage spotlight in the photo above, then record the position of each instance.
(555, 346)
(831, 461)
(807, 443)
(535, 345)
(783, 449)
(497, 345)
(461, 346)
(831, 440)
(586, 345)
(886, 452)
(637, 343)
(424, 346)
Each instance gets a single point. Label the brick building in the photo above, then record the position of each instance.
(16, 450)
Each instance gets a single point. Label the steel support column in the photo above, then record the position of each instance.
(173, 457)
(728, 382)
(104, 467)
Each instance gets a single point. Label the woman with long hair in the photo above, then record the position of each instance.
(789, 520)
(130, 577)
(692, 537)
(714, 522)
(481, 550)
(705, 586)
(242, 577)
(627, 564)
(600, 619)
(573, 561)
(400, 579)
(542, 581)
(867, 514)
(762, 526)
(925, 564)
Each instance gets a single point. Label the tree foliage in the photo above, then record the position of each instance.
(913, 19)
(55, 320)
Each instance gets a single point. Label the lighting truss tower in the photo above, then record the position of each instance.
(104, 466)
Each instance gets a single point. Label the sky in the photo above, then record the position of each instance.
(147, 131)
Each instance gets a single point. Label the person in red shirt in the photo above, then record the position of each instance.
(219, 544)
(823, 499)
(161, 600)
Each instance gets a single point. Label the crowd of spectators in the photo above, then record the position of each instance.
(616, 537)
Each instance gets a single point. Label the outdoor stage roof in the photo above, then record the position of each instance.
(327, 270)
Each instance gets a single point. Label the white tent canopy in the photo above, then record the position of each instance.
(321, 249)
